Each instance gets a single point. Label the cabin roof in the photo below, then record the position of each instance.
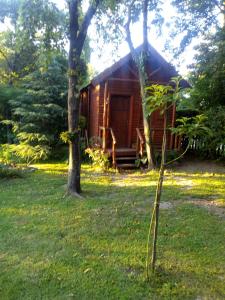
(160, 65)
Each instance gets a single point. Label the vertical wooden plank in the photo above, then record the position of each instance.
(88, 111)
(172, 125)
(104, 142)
(130, 120)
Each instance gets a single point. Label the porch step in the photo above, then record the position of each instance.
(125, 158)
(126, 162)
(126, 166)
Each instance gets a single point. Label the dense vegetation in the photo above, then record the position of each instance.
(208, 93)
(33, 80)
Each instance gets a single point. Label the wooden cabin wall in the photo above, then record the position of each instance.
(132, 89)
(124, 82)
(157, 126)
(126, 88)
(84, 104)
(101, 103)
(94, 111)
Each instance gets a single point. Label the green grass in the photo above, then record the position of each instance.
(56, 247)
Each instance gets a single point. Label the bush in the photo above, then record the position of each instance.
(22, 153)
(98, 157)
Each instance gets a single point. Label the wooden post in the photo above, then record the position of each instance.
(113, 155)
(107, 119)
(105, 116)
(130, 120)
(113, 148)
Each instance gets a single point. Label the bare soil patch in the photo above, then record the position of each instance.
(211, 206)
(196, 165)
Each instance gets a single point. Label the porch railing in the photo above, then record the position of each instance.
(174, 141)
(104, 131)
(113, 148)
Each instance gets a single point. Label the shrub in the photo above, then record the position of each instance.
(98, 157)
(22, 153)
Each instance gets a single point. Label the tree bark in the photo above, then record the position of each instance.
(146, 123)
(74, 145)
(77, 35)
(141, 61)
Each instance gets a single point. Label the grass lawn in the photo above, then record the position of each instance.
(55, 247)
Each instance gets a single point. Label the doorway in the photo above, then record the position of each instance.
(120, 119)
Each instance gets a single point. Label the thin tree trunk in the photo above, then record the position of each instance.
(147, 128)
(141, 61)
(158, 196)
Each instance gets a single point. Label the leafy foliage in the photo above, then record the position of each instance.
(23, 153)
(98, 157)
(38, 114)
(162, 96)
(194, 18)
(208, 93)
(192, 127)
(7, 93)
(68, 137)
(36, 28)
(208, 73)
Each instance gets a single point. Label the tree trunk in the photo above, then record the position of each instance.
(141, 61)
(74, 145)
(158, 196)
(146, 124)
(77, 35)
(73, 102)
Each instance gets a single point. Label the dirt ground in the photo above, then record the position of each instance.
(194, 165)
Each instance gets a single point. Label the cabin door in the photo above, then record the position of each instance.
(120, 119)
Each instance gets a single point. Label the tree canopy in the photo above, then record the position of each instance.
(33, 28)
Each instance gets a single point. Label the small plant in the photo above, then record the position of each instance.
(141, 162)
(68, 137)
(98, 157)
(162, 97)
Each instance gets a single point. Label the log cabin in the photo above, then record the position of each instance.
(112, 106)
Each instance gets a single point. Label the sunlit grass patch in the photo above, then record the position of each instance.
(57, 247)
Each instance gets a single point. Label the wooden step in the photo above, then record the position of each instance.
(124, 152)
(126, 166)
(126, 158)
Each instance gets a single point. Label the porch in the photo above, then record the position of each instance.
(125, 157)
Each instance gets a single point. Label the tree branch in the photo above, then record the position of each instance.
(127, 28)
(73, 11)
(145, 25)
(85, 24)
(173, 160)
